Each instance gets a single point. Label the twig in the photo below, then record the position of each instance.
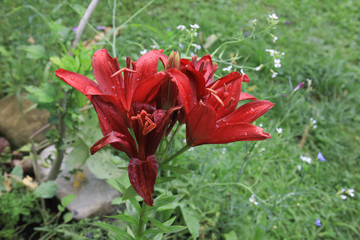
(83, 22)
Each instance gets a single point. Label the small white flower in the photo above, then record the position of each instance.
(274, 74)
(271, 51)
(242, 71)
(305, 159)
(194, 26)
(315, 126)
(343, 197)
(262, 149)
(227, 68)
(143, 51)
(275, 38)
(181, 27)
(351, 192)
(197, 47)
(273, 16)
(279, 130)
(153, 46)
(196, 34)
(282, 54)
(254, 21)
(277, 63)
(223, 150)
(313, 121)
(258, 68)
(181, 45)
(253, 200)
(298, 167)
(261, 125)
(309, 81)
(191, 149)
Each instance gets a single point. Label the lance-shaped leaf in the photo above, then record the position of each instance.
(142, 176)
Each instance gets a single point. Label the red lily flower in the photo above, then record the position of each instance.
(132, 101)
(213, 117)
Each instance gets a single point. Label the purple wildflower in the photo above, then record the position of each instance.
(298, 87)
(321, 157)
(100, 28)
(74, 29)
(317, 222)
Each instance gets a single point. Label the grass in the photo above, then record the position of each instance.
(321, 42)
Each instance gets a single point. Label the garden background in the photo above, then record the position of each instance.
(274, 189)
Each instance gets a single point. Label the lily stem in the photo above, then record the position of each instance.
(170, 142)
(182, 150)
(143, 219)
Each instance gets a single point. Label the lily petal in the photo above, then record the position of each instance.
(183, 85)
(104, 66)
(246, 96)
(147, 90)
(248, 112)
(235, 132)
(142, 176)
(83, 84)
(117, 140)
(147, 65)
(200, 123)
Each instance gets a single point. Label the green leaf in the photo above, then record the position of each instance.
(164, 179)
(164, 199)
(102, 165)
(177, 228)
(77, 156)
(17, 171)
(46, 190)
(177, 170)
(67, 217)
(114, 229)
(129, 193)
(35, 51)
(60, 208)
(57, 61)
(192, 220)
(65, 201)
(230, 236)
(159, 225)
(125, 218)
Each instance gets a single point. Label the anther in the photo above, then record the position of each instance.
(218, 99)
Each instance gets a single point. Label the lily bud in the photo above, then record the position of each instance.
(173, 61)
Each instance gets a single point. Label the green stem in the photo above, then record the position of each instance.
(170, 142)
(143, 219)
(182, 150)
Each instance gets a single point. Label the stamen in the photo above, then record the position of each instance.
(215, 84)
(201, 67)
(149, 126)
(218, 99)
(123, 70)
(128, 61)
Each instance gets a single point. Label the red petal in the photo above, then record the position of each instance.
(111, 116)
(103, 67)
(233, 76)
(246, 96)
(183, 84)
(147, 65)
(249, 112)
(209, 69)
(118, 141)
(83, 84)
(147, 90)
(235, 132)
(200, 123)
(197, 83)
(142, 176)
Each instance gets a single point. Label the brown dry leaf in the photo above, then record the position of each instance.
(231, 57)
(88, 43)
(251, 89)
(29, 181)
(79, 177)
(7, 183)
(31, 40)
